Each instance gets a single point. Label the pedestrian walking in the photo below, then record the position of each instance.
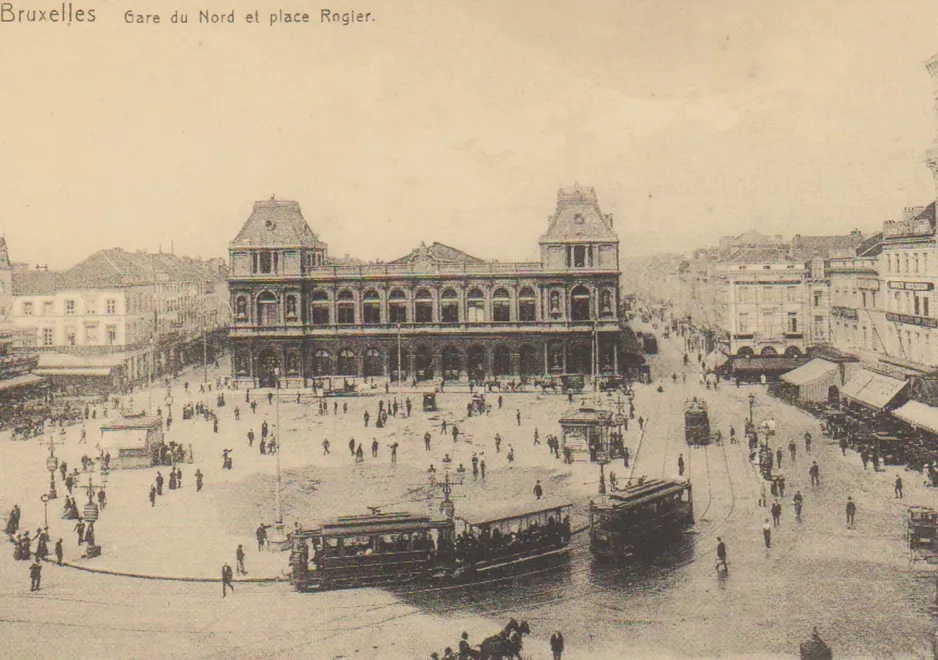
(159, 483)
(518, 416)
(35, 575)
(851, 511)
(198, 481)
(865, 457)
(374, 448)
(426, 440)
(721, 556)
(394, 447)
(325, 447)
(843, 445)
(792, 449)
(536, 437)
(898, 487)
(556, 645)
(807, 441)
(767, 533)
(776, 513)
(482, 468)
(798, 502)
(251, 437)
(625, 456)
(641, 423)
(814, 473)
(226, 580)
(538, 491)
(778, 457)
(351, 446)
(498, 443)
(366, 417)
(152, 497)
(680, 465)
(58, 552)
(261, 535)
(239, 558)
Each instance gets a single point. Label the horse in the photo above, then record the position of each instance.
(504, 645)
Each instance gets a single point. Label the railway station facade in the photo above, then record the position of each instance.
(436, 313)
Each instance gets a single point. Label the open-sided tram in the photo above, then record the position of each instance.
(391, 548)
(696, 422)
(640, 518)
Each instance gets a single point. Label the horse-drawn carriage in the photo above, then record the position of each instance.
(501, 646)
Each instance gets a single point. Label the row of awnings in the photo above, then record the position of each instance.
(873, 389)
(814, 379)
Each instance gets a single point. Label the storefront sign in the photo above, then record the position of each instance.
(844, 312)
(867, 284)
(922, 321)
(912, 286)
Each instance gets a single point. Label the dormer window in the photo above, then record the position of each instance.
(578, 219)
(270, 225)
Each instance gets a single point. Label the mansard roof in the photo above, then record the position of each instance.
(276, 223)
(438, 253)
(579, 218)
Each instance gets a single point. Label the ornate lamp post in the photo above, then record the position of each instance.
(45, 506)
(752, 400)
(52, 464)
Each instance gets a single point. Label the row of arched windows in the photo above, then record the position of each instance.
(399, 308)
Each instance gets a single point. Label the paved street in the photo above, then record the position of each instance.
(818, 572)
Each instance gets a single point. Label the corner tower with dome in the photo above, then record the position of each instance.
(300, 314)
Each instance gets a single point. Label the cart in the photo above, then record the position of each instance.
(429, 402)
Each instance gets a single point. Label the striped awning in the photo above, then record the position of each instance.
(873, 389)
(813, 379)
(918, 414)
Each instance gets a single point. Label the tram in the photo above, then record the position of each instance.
(922, 534)
(392, 548)
(696, 422)
(640, 518)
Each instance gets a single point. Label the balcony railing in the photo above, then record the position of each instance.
(386, 270)
(605, 325)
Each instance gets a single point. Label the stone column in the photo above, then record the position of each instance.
(515, 365)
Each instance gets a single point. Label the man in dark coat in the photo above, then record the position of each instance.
(159, 483)
(58, 552)
(152, 496)
(556, 644)
(35, 575)
(226, 578)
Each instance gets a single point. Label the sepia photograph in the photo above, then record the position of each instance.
(624, 313)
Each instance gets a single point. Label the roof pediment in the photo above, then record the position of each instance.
(437, 253)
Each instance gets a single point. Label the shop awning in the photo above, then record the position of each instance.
(872, 389)
(918, 414)
(716, 359)
(767, 364)
(813, 379)
(76, 371)
(20, 381)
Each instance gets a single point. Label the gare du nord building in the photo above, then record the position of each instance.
(300, 315)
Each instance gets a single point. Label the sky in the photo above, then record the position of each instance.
(457, 121)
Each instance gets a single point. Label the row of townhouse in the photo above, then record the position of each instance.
(118, 317)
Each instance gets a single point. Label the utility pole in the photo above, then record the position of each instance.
(279, 520)
(399, 365)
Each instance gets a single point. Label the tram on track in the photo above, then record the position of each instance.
(640, 518)
(393, 548)
(696, 422)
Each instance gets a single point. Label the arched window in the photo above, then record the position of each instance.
(397, 306)
(527, 305)
(268, 313)
(452, 363)
(345, 309)
(371, 308)
(768, 351)
(475, 362)
(580, 304)
(501, 305)
(475, 306)
(530, 362)
(423, 306)
(449, 307)
(322, 363)
(293, 364)
(372, 365)
(345, 364)
(320, 315)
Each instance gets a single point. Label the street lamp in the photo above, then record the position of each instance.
(52, 464)
(752, 400)
(399, 374)
(45, 505)
(279, 520)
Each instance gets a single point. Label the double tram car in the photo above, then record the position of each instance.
(494, 538)
(696, 422)
(391, 548)
(640, 518)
